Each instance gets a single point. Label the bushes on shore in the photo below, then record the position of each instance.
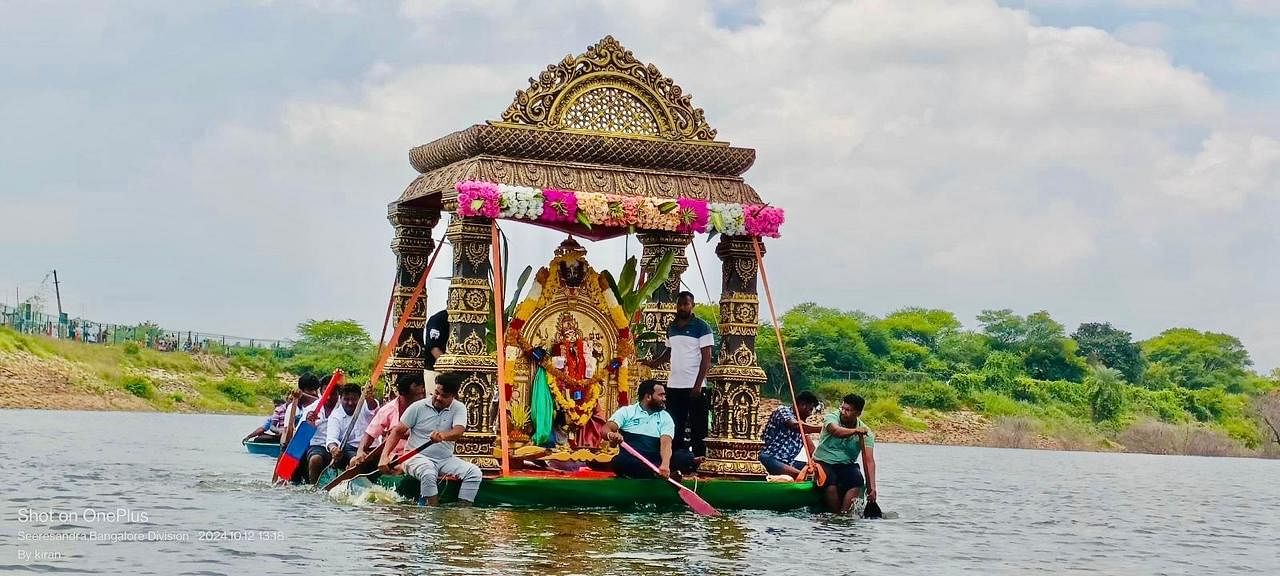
(1095, 384)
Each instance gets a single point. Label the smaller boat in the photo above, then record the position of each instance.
(264, 447)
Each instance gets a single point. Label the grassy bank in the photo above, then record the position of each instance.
(1059, 415)
(39, 372)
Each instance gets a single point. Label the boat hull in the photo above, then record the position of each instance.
(600, 491)
(264, 448)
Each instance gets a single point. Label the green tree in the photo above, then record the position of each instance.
(1106, 393)
(1114, 348)
(326, 345)
(963, 351)
(919, 325)
(1197, 359)
(1047, 354)
(710, 313)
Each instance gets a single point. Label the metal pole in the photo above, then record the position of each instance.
(57, 293)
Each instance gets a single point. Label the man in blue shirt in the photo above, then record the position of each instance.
(689, 342)
(646, 427)
(782, 436)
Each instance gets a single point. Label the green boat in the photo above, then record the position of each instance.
(267, 448)
(598, 490)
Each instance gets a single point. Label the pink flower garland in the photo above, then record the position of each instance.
(559, 206)
(693, 215)
(477, 198)
(688, 215)
(762, 221)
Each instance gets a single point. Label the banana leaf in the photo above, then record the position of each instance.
(660, 275)
(613, 285)
(628, 277)
(515, 300)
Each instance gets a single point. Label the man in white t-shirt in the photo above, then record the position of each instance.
(689, 342)
(442, 420)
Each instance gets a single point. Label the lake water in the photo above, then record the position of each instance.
(961, 510)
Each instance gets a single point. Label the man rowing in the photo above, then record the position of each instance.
(782, 436)
(317, 457)
(410, 388)
(274, 425)
(341, 434)
(844, 438)
(442, 420)
(648, 428)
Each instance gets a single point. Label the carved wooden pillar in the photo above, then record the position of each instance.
(470, 301)
(733, 441)
(412, 246)
(660, 310)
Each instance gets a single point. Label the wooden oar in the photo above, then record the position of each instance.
(291, 456)
(287, 436)
(353, 473)
(695, 502)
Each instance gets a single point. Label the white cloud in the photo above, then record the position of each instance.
(950, 154)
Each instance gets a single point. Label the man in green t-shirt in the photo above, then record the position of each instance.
(844, 438)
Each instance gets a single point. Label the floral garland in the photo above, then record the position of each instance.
(555, 206)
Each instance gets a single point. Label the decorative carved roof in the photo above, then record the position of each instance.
(523, 142)
(438, 184)
(606, 90)
(602, 122)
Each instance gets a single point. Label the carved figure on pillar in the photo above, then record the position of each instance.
(660, 311)
(733, 445)
(469, 305)
(412, 246)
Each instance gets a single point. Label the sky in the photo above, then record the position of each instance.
(225, 167)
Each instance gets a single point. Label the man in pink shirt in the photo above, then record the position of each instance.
(410, 388)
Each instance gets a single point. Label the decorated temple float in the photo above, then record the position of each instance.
(598, 146)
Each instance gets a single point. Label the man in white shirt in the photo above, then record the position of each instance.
(317, 455)
(341, 439)
(442, 420)
(689, 342)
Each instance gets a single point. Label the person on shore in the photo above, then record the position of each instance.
(410, 388)
(341, 445)
(844, 438)
(436, 337)
(317, 455)
(782, 436)
(441, 419)
(648, 428)
(689, 343)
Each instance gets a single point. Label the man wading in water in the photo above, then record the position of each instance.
(844, 438)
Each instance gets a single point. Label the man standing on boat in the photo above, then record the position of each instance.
(436, 337)
(410, 388)
(646, 427)
(689, 343)
(442, 420)
(844, 438)
(782, 436)
(341, 447)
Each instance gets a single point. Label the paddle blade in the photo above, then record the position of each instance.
(693, 500)
(872, 510)
(292, 456)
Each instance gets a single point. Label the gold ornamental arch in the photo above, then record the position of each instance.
(629, 146)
